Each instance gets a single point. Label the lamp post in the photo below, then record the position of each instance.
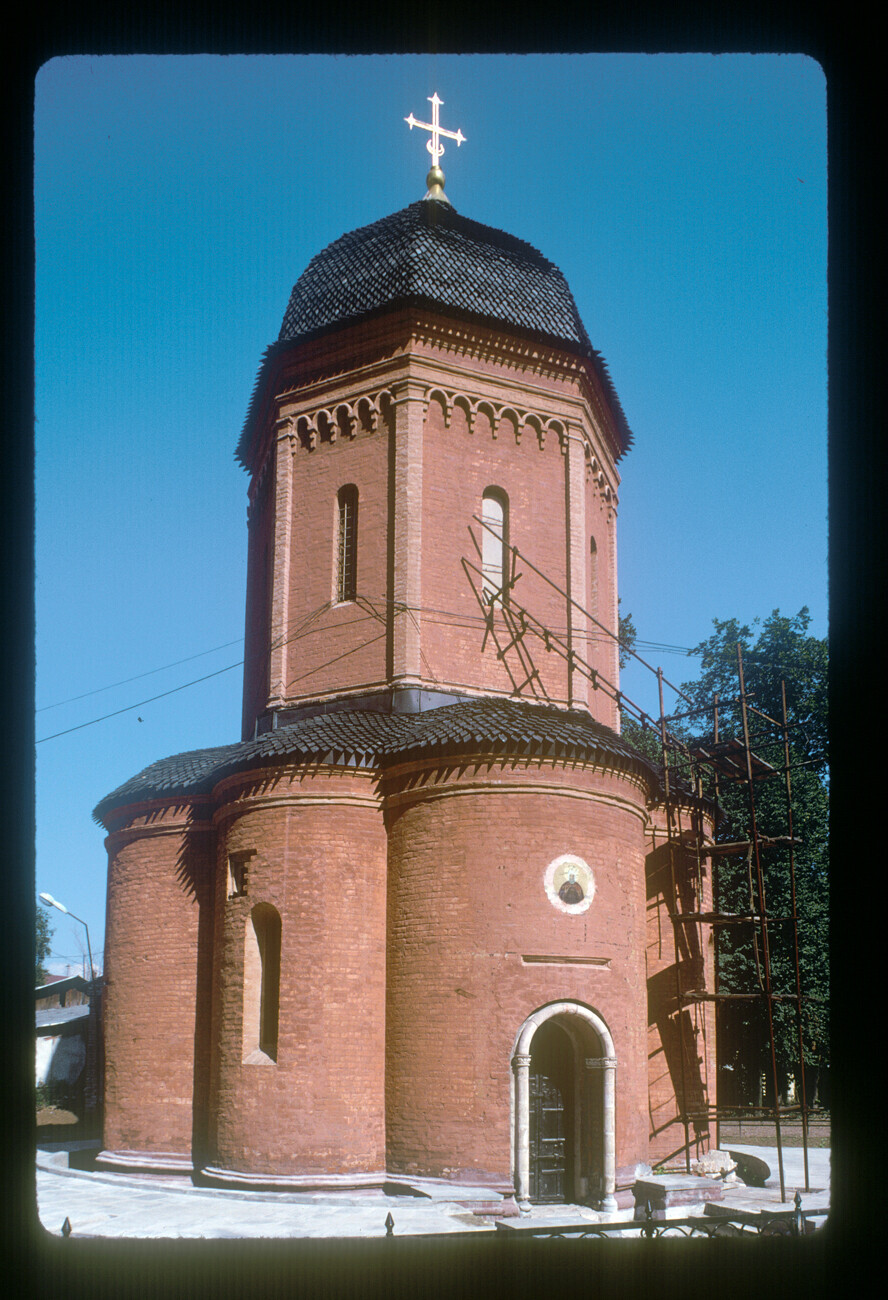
(53, 902)
(92, 1063)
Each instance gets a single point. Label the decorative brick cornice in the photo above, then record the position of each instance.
(375, 343)
(309, 426)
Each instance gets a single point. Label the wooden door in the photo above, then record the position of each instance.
(547, 1140)
(551, 1115)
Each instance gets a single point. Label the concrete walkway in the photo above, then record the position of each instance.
(157, 1206)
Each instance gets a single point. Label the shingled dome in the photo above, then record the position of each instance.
(428, 255)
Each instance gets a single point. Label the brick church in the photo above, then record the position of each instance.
(412, 928)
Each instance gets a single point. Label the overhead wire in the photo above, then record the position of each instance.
(129, 707)
(303, 628)
(137, 677)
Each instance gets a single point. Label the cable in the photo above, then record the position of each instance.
(126, 680)
(336, 658)
(139, 703)
(303, 628)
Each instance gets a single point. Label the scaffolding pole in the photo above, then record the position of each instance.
(683, 770)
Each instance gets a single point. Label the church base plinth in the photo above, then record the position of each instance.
(145, 1162)
(216, 1176)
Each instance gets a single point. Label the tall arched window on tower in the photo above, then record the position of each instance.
(495, 544)
(347, 546)
(593, 579)
(262, 983)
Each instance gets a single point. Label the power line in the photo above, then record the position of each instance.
(139, 703)
(446, 618)
(126, 680)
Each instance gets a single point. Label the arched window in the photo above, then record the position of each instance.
(347, 546)
(262, 983)
(593, 578)
(495, 544)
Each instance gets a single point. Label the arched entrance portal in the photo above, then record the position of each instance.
(552, 1118)
(563, 1142)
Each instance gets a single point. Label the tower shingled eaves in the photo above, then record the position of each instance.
(429, 255)
(374, 739)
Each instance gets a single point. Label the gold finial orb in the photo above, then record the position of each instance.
(435, 182)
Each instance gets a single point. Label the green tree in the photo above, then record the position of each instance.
(777, 650)
(627, 633)
(43, 943)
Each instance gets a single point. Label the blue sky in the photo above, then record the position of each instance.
(177, 199)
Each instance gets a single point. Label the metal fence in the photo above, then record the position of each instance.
(738, 1223)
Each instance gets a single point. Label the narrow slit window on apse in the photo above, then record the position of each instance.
(347, 554)
(238, 874)
(262, 983)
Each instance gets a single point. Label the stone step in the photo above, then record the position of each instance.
(663, 1190)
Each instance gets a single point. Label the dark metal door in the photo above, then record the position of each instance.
(547, 1140)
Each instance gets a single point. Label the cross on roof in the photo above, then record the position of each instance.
(434, 145)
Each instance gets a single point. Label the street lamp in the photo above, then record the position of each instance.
(92, 1063)
(53, 902)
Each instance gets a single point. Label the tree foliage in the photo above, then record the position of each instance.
(43, 937)
(777, 653)
(627, 633)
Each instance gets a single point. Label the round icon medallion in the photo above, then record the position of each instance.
(569, 883)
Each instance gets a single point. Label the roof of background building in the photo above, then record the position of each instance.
(365, 738)
(428, 255)
(60, 1018)
(57, 986)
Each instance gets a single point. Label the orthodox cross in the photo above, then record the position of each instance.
(434, 146)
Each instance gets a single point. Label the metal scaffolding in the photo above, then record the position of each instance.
(693, 776)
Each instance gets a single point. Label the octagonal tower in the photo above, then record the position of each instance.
(430, 372)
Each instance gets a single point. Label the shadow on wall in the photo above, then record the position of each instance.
(195, 875)
(670, 890)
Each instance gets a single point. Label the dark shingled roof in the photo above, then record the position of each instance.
(428, 255)
(371, 739)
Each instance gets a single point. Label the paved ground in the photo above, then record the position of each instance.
(115, 1205)
(761, 1132)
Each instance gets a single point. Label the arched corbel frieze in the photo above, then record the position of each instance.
(307, 427)
(484, 408)
(559, 429)
(346, 420)
(329, 429)
(462, 402)
(508, 417)
(534, 422)
(384, 405)
(367, 413)
(444, 400)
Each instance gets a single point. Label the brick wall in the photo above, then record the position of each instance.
(681, 1035)
(416, 933)
(468, 850)
(155, 981)
(317, 848)
(422, 430)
